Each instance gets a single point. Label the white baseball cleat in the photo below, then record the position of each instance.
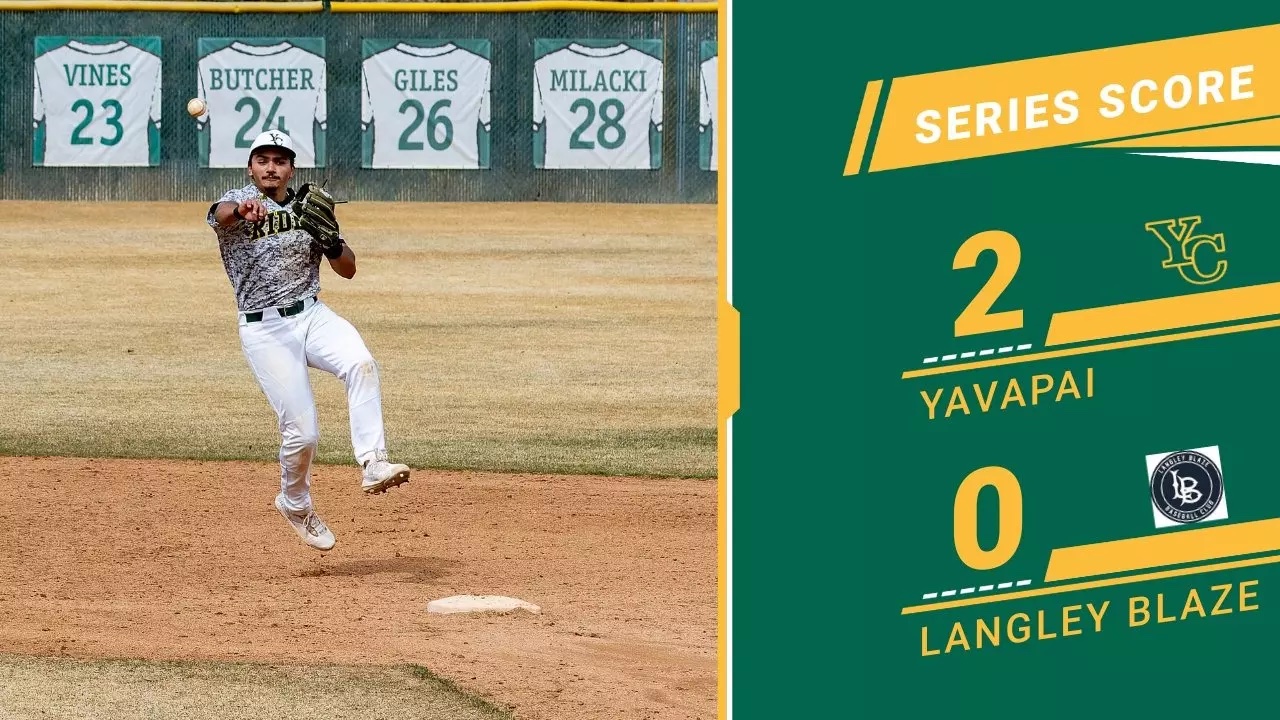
(380, 475)
(308, 525)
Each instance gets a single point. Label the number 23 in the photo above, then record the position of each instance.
(113, 106)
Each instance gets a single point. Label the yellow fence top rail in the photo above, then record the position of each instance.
(524, 6)
(499, 6)
(164, 6)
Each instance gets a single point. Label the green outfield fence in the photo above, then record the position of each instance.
(511, 176)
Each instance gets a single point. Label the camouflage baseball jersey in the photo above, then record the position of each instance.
(269, 263)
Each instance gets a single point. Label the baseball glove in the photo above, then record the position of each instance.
(314, 209)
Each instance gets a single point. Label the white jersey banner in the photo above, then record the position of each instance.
(253, 85)
(96, 101)
(597, 104)
(708, 106)
(425, 104)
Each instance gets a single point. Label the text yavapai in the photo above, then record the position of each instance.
(1003, 394)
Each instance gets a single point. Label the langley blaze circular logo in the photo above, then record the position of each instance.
(1186, 487)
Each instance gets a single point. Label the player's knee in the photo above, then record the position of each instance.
(300, 436)
(309, 439)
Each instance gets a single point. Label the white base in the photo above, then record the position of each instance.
(479, 603)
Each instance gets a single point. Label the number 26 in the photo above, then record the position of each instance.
(977, 318)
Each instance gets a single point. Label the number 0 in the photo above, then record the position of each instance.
(976, 318)
(966, 518)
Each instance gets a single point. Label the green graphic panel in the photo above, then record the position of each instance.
(931, 465)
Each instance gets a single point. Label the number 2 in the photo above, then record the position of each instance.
(977, 318)
(76, 138)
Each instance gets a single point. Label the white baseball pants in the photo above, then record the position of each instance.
(279, 351)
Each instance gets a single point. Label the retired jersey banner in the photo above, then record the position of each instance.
(253, 85)
(1009, 366)
(708, 106)
(425, 103)
(597, 104)
(96, 101)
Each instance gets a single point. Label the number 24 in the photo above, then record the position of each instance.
(977, 317)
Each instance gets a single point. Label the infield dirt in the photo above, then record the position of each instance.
(172, 560)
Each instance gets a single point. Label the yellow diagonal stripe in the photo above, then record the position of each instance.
(1164, 314)
(1089, 349)
(1091, 584)
(862, 131)
(1143, 553)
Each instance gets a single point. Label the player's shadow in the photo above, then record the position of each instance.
(413, 569)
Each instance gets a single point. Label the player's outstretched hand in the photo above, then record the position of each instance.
(252, 210)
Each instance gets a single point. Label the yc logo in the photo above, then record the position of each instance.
(1196, 257)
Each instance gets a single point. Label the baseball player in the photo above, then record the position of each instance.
(271, 239)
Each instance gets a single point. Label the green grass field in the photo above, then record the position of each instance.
(523, 338)
(89, 690)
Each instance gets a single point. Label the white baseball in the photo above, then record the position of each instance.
(196, 107)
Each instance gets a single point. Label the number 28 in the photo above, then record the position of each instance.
(977, 317)
(611, 113)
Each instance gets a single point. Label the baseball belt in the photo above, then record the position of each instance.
(287, 311)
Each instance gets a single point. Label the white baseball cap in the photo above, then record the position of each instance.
(275, 139)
